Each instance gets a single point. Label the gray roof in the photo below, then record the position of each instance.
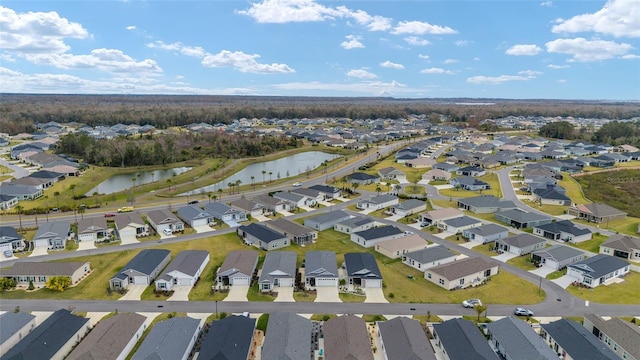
(325, 189)
(8, 234)
(357, 221)
(362, 176)
(283, 195)
(320, 263)
(522, 240)
(261, 232)
(559, 252)
(246, 205)
(12, 322)
(430, 254)
(519, 340)
(410, 204)
(265, 199)
(228, 339)
(287, 337)
(346, 337)
(600, 209)
(47, 338)
(108, 338)
(522, 216)
(92, 224)
(306, 192)
(59, 228)
(622, 242)
(461, 268)
(161, 216)
(577, 341)
(487, 201)
(190, 213)
(124, 219)
(599, 265)
(488, 229)
(187, 262)
(362, 265)
(146, 261)
(469, 181)
(461, 221)
(463, 340)
(289, 227)
(243, 261)
(329, 217)
(168, 339)
(381, 199)
(624, 333)
(17, 189)
(379, 232)
(42, 268)
(563, 226)
(219, 208)
(278, 264)
(405, 339)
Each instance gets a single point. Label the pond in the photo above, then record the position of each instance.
(289, 166)
(122, 182)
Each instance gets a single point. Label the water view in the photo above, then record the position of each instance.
(122, 182)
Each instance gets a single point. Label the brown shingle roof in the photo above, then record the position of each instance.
(461, 268)
(346, 337)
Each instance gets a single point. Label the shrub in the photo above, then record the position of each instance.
(31, 287)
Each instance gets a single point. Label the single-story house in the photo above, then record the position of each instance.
(520, 244)
(409, 207)
(184, 270)
(362, 270)
(273, 205)
(420, 162)
(448, 167)
(404, 338)
(40, 183)
(225, 213)
(428, 257)
(370, 237)
(173, 338)
(237, 268)
(346, 337)
(8, 201)
(485, 204)
(296, 233)
(52, 235)
(329, 192)
(53, 339)
(287, 336)
(163, 219)
(320, 269)
(262, 237)
(21, 192)
(459, 224)
(355, 224)
(550, 196)
(396, 248)
(623, 246)
(10, 240)
(515, 339)
(391, 173)
(486, 233)
(598, 270)
(38, 273)
(142, 269)
(112, 338)
(93, 229)
(469, 183)
(596, 212)
(563, 230)
(618, 335)
(362, 178)
(130, 224)
(327, 220)
(278, 270)
(436, 175)
(460, 274)
(520, 219)
(378, 202)
(557, 257)
(435, 216)
(296, 200)
(570, 340)
(228, 338)
(316, 195)
(461, 339)
(248, 207)
(195, 216)
(13, 327)
(471, 171)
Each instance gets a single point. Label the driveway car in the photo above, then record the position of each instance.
(522, 312)
(297, 184)
(167, 232)
(469, 303)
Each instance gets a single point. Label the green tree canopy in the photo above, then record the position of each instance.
(557, 130)
(58, 283)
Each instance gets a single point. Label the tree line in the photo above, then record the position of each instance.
(613, 133)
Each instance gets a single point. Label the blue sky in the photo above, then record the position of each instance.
(402, 49)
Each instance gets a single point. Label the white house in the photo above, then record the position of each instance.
(184, 270)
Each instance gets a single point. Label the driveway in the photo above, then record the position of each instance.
(327, 294)
(564, 281)
(504, 256)
(375, 295)
(94, 317)
(366, 211)
(129, 240)
(261, 218)
(86, 245)
(394, 217)
(163, 236)
(285, 213)
(306, 208)
(469, 244)
(180, 293)
(403, 180)
(203, 228)
(134, 292)
(542, 271)
(39, 251)
(285, 294)
(237, 293)
(440, 187)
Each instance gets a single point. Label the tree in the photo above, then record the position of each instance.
(72, 187)
(398, 188)
(557, 130)
(209, 195)
(253, 183)
(230, 185)
(81, 211)
(263, 172)
(355, 186)
(480, 309)
(270, 173)
(238, 182)
(7, 284)
(169, 183)
(220, 192)
(31, 287)
(378, 189)
(19, 210)
(58, 283)
(134, 181)
(57, 196)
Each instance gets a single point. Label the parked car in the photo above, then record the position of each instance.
(469, 303)
(109, 215)
(522, 312)
(192, 202)
(167, 232)
(125, 209)
(297, 183)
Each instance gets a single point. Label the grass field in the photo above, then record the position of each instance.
(619, 189)
(592, 245)
(623, 293)
(490, 178)
(484, 249)
(523, 262)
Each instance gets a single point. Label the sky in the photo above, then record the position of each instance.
(512, 49)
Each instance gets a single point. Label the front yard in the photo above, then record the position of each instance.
(625, 292)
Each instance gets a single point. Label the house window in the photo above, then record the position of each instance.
(462, 281)
(429, 275)
(441, 282)
(487, 273)
(42, 278)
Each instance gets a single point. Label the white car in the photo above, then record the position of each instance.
(167, 232)
(297, 183)
(522, 312)
(469, 303)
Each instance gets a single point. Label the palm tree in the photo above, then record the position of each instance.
(46, 201)
(19, 210)
(480, 309)
(57, 195)
(209, 195)
(263, 172)
(253, 182)
(214, 197)
(270, 173)
(355, 186)
(134, 181)
(378, 189)
(169, 183)
(230, 185)
(72, 187)
(238, 182)
(220, 192)
(398, 187)
(81, 210)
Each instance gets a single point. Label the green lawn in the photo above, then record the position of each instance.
(351, 297)
(485, 249)
(573, 188)
(592, 245)
(622, 293)
(556, 274)
(303, 296)
(523, 262)
(549, 209)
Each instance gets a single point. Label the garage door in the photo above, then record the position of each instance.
(140, 280)
(199, 222)
(185, 281)
(285, 282)
(326, 282)
(127, 232)
(371, 283)
(240, 281)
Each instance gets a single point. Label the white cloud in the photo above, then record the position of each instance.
(37, 32)
(435, 70)
(522, 76)
(285, 11)
(372, 22)
(194, 51)
(245, 63)
(391, 65)
(561, 81)
(546, 3)
(476, 58)
(421, 28)
(131, 27)
(631, 57)
(553, 66)
(588, 50)
(461, 43)
(377, 88)
(7, 58)
(451, 61)
(361, 74)
(423, 57)
(524, 50)
(109, 60)
(352, 42)
(416, 41)
(617, 17)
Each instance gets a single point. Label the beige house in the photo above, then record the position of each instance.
(624, 246)
(395, 248)
(39, 272)
(462, 273)
(421, 162)
(434, 217)
(436, 175)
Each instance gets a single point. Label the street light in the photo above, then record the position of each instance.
(216, 309)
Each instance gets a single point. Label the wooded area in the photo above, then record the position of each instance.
(613, 133)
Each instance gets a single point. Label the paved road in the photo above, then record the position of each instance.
(18, 171)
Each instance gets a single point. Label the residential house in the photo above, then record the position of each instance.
(596, 212)
(346, 337)
(295, 232)
(515, 339)
(421, 162)
(598, 270)
(370, 237)
(460, 274)
(238, 268)
(10, 240)
(485, 233)
(37, 273)
(409, 207)
(311, 194)
(563, 230)
(228, 338)
(396, 248)
(329, 192)
(8, 201)
(520, 219)
(195, 216)
(433, 217)
(320, 269)
(485, 204)
(469, 183)
(248, 207)
(271, 205)
(557, 257)
(130, 225)
(623, 246)
(261, 236)
(428, 257)
(448, 167)
(295, 200)
(459, 224)
(327, 220)
(93, 229)
(53, 339)
(228, 214)
(361, 178)
(278, 270)
(52, 235)
(39, 183)
(550, 196)
(520, 244)
(163, 219)
(460, 339)
(184, 270)
(618, 335)
(142, 269)
(21, 192)
(288, 336)
(13, 327)
(391, 173)
(436, 175)
(471, 171)
(404, 338)
(171, 339)
(378, 202)
(112, 338)
(572, 341)
(355, 224)
(362, 270)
